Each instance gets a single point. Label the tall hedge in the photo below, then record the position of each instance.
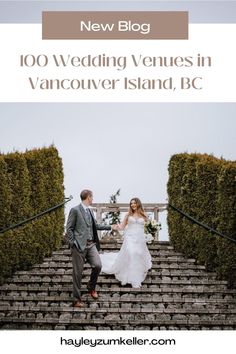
(5, 214)
(20, 186)
(53, 174)
(226, 216)
(5, 195)
(38, 199)
(203, 187)
(38, 187)
(32, 182)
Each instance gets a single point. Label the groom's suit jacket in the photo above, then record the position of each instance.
(80, 227)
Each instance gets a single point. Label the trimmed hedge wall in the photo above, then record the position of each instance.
(205, 188)
(30, 183)
(5, 195)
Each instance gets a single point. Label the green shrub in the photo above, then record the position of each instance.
(203, 187)
(20, 186)
(5, 195)
(53, 179)
(31, 182)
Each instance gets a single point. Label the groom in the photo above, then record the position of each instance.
(82, 235)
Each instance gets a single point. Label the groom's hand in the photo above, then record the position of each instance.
(114, 227)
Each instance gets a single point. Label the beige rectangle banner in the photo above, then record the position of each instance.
(115, 25)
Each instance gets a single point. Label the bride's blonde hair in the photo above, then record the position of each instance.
(139, 208)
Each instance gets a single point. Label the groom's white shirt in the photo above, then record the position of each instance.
(85, 207)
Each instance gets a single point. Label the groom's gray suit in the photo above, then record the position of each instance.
(82, 235)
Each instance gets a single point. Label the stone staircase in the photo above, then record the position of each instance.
(177, 294)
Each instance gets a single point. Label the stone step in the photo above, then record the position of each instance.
(117, 245)
(160, 245)
(161, 273)
(163, 253)
(175, 261)
(64, 308)
(108, 298)
(66, 279)
(65, 289)
(77, 321)
(164, 266)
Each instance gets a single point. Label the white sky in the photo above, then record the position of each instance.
(107, 146)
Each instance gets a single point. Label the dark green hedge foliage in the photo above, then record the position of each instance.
(30, 183)
(205, 188)
(5, 195)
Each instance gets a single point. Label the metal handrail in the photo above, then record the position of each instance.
(23, 222)
(206, 227)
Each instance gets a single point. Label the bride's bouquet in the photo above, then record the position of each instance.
(151, 227)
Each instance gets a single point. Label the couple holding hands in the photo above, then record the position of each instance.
(129, 265)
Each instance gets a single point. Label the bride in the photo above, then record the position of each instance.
(131, 263)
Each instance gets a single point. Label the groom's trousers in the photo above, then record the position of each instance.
(91, 255)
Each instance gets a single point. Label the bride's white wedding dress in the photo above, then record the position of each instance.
(131, 263)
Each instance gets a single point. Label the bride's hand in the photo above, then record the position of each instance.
(117, 227)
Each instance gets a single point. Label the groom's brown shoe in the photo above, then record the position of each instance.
(94, 294)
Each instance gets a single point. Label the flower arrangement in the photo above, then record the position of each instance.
(151, 226)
